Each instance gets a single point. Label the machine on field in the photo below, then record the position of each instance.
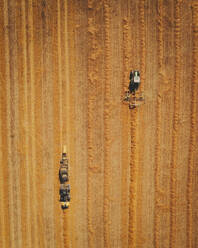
(133, 98)
(64, 179)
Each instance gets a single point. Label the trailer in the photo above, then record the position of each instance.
(64, 179)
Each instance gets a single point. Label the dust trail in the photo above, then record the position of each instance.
(23, 120)
(107, 132)
(177, 33)
(125, 135)
(193, 126)
(158, 129)
(57, 130)
(142, 43)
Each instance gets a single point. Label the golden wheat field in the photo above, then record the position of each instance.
(64, 68)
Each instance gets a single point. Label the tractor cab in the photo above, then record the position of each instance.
(134, 81)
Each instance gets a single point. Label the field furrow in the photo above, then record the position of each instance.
(173, 175)
(107, 130)
(158, 126)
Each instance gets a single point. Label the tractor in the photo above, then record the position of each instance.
(131, 97)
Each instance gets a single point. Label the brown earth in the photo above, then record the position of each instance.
(64, 66)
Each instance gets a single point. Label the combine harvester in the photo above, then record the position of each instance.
(131, 97)
(64, 179)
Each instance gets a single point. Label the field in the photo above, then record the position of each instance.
(64, 67)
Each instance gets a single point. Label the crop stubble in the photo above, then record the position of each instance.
(63, 75)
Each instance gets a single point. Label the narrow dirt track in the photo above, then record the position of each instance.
(64, 68)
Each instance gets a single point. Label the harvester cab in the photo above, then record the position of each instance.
(64, 179)
(132, 97)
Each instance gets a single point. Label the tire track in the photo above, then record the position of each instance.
(184, 123)
(133, 180)
(4, 110)
(116, 39)
(14, 135)
(136, 37)
(2, 80)
(23, 124)
(64, 98)
(125, 137)
(2, 229)
(167, 107)
(57, 128)
(90, 118)
(65, 232)
(36, 65)
(158, 130)
(177, 32)
(142, 43)
(25, 20)
(107, 128)
(7, 141)
(126, 52)
(31, 121)
(94, 123)
(64, 114)
(61, 50)
(47, 120)
(69, 130)
(193, 126)
(133, 129)
(78, 87)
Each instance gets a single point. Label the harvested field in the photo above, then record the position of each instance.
(64, 67)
